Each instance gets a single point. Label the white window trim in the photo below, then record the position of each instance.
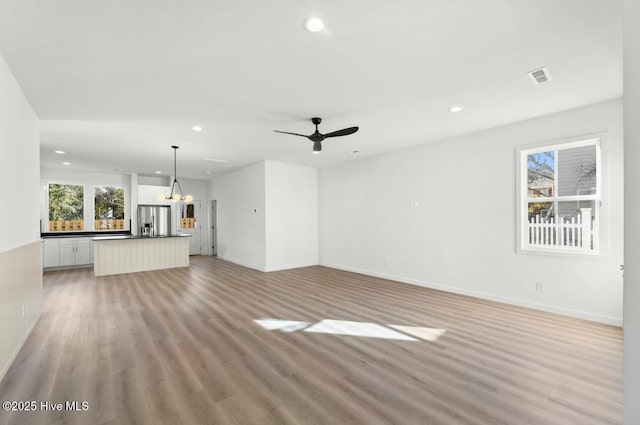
(89, 203)
(522, 199)
(45, 204)
(93, 207)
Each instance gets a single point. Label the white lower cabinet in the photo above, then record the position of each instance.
(66, 252)
(51, 254)
(83, 253)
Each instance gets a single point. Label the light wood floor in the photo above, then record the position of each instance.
(182, 347)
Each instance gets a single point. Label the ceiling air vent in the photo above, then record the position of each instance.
(540, 75)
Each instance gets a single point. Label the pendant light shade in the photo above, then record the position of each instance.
(175, 195)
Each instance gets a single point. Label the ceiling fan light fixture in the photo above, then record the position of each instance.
(313, 24)
(318, 137)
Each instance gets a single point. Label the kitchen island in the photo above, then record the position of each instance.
(130, 254)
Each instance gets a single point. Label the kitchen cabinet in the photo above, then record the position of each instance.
(51, 253)
(67, 252)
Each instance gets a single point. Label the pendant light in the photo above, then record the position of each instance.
(174, 196)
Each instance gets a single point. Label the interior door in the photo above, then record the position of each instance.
(190, 223)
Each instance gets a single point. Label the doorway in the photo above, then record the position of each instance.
(190, 223)
(214, 228)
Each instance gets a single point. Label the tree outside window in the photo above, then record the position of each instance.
(561, 197)
(109, 208)
(66, 207)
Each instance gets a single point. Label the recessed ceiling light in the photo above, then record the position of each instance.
(455, 108)
(158, 172)
(66, 163)
(196, 128)
(313, 24)
(60, 152)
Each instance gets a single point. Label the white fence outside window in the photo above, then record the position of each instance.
(577, 232)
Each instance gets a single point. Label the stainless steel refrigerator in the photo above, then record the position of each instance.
(154, 220)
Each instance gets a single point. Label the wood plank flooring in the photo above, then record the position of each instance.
(181, 347)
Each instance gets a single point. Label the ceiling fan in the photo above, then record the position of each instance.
(318, 137)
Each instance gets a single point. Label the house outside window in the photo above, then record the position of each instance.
(560, 195)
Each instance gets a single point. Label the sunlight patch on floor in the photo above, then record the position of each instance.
(427, 334)
(282, 325)
(370, 330)
(349, 328)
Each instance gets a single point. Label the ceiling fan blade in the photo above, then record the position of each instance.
(294, 134)
(343, 132)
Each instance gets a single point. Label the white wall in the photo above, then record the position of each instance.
(154, 180)
(148, 194)
(240, 197)
(291, 216)
(20, 250)
(632, 208)
(462, 237)
(19, 164)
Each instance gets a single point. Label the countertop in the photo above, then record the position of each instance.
(123, 237)
(61, 235)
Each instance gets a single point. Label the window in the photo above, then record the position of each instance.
(560, 197)
(187, 217)
(72, 207)
(109, 208)
(66, 207)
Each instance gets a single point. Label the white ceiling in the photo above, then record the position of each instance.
(117, 82)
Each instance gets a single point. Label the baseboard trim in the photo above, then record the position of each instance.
(55, 269)
(11, 359)
(289, 267)
(484, 295)
(242, 263)
(265, 269)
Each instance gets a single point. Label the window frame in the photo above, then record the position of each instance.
(124, 201)
(45, 213)
(523, 199)
(88, 205)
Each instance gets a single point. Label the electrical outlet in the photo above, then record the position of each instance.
(539, 286)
